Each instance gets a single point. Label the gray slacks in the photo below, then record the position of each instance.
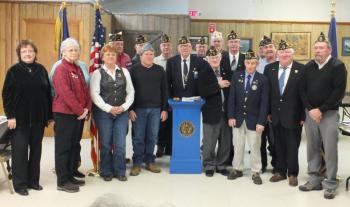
(325, 132)
(212, 134)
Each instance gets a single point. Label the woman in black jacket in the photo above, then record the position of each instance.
(27, 105)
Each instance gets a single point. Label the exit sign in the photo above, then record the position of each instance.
(193, 13)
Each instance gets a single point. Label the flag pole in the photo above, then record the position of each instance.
(333, 9)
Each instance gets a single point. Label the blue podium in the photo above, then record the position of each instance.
(185, 157)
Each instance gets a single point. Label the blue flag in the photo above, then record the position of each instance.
(332, 36)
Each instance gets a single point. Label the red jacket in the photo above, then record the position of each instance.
(71, 91)
(123, 60)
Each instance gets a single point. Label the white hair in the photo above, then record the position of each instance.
(68, 43)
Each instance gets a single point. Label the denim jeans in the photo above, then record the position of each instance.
(145, 137)
(112, 135)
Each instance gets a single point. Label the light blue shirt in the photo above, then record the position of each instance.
(82, 67)
(246, 78)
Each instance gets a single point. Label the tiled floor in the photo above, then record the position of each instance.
(150, 189)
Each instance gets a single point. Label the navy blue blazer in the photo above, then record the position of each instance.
(254, 109)
(174, 77)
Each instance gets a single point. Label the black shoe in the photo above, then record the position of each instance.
(77, 182)
(36, 187)
(223, 172)
(234, 174)
(209, 173)
(107, 178)
(121, 177)
(78, 174)
(160, 151)
(22, 192)
(68, 187)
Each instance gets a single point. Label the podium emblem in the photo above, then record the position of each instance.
(186, 129)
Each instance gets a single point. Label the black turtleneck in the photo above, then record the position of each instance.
(26, 94)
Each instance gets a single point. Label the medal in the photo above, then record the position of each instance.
(254, 87)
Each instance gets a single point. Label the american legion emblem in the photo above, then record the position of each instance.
(186, 128)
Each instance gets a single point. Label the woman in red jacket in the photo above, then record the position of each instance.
(71, 107)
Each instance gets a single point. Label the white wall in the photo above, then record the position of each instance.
(147, 6)
(289, 10)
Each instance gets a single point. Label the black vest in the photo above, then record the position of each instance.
(113, 92)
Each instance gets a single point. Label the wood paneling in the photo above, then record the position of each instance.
(36, 21)
(256, 29)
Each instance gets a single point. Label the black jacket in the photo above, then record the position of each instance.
(210, 91)
(226, 64)
(174, 77)
(287, 108)
(27, 94)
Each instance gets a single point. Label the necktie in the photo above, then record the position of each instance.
(247, 84)
(217, 73)
(185, 72)
(233, 63)
(281, 81)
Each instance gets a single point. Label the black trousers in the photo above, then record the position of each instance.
(77, 160)
(267, 137)
(287, 143)
(232, 150)
(67, 137)
(26, 170)
(165, 134)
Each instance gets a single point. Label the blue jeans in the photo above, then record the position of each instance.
(145, 137)
(112, 135)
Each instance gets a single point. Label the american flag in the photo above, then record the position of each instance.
(98, 41)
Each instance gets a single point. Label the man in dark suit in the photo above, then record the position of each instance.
(231, 61)
(286, 112)
(182, 75)
(211, 83)
(247, 113)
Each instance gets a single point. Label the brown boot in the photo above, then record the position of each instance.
(277, 177)
(135, 170)
(293, 181)
(153, 168)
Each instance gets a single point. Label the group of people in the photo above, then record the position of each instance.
(255, 98)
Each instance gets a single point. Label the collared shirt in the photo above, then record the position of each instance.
(160, 60)
(95, 89)
(320, 66)
(246, 78)
(286, 76)
(219, 78)
(123, 60)
(182, 68)
(261, 66)
(236, 57)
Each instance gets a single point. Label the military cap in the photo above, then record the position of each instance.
(115, 37)
(232, 36)
(262, 41)
(250, 55)
(165, 38)
(202, 41)
(140, 39)
(147, 47)
(283, 45)
(183, 40)
(216, 35)
(212, 51)
(322, 38)
(267, 40)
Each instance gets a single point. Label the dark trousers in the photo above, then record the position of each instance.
(267, 137)
(287, 143)
(232, 151)
(67, 136)
(165, 134)
(26, 171)
(77, 160)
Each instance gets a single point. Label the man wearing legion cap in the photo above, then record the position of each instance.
(213, 88)
(217, 41)
(182, 75)
(201, 47)
(323, 89)
(286, 112)
(247, 113)
(139, 42)
(123, 59)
